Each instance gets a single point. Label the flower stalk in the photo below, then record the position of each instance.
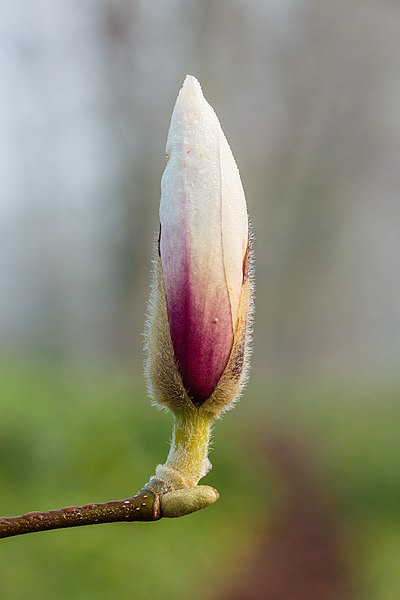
(187, 460)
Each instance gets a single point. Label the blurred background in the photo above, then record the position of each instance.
(308, 94)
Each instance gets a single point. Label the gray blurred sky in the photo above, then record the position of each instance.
(308, 94)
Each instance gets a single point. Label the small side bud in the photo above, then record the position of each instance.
(185, 502)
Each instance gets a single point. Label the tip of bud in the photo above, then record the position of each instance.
(192, 84)
(190, 93)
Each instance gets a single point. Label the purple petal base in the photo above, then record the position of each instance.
(202, 339)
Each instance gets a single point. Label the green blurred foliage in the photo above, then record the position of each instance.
(69, 438)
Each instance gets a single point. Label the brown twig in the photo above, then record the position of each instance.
(144, 506)
(156, 500)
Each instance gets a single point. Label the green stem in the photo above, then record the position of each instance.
(187, 460)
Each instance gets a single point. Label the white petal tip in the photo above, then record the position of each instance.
(191, 83)
(191, 90)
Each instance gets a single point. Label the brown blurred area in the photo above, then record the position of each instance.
(301, 556)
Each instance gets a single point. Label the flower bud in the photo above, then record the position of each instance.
(197, 333)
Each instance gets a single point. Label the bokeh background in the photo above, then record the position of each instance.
(308, 94)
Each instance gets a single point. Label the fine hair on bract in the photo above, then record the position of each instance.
(164, 382)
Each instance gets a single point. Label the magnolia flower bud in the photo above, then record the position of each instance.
(197, 333)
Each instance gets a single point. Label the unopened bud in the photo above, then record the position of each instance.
(199, 311)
